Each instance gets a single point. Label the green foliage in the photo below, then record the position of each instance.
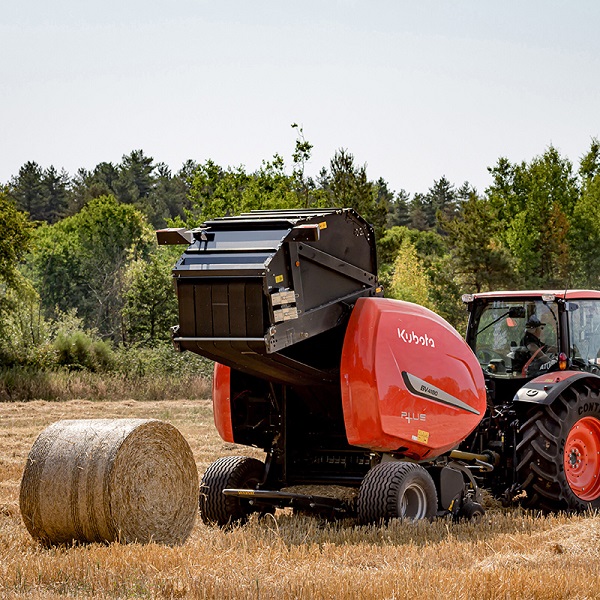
(24, 329)
(14, 242)
(398, 206)
(33, 344)
(584, 231)
(409, 281)
(429, 245)
(80, 261)
(160, 361)
(95, 259)
(393, 248)
(15, 237)
(347, 186)
(137, 180)
(534, 203)
(168, 198)
(136, 177)
(80, 351)
(43, 194)
(446, 290)
(440, 200)
(304, 186)
(150, 305)
(480, 262)
(388, 245)
(216, 192)
(32, 340)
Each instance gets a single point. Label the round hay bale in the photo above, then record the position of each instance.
(105, 480)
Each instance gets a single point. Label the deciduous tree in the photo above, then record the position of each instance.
(79, 262)
(15, 238)
(150, 305)
(409, 280)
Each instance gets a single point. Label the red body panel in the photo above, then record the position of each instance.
(408, 380)
(221, 395)
(555, 377)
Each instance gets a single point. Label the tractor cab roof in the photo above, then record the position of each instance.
(506, 294)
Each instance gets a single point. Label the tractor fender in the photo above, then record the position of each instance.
(546, 388)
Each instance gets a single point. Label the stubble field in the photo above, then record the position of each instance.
(511, 554)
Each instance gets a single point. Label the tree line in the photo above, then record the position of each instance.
(81, 273)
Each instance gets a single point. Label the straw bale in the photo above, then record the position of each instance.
(105, 480)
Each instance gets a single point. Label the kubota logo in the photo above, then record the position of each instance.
(414, 338)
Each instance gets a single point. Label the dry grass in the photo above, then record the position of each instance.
(23, 385)
(509, 555)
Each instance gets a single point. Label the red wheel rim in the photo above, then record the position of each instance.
(582, 458)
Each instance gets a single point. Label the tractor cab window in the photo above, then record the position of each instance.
(584, 329)
(517, 339)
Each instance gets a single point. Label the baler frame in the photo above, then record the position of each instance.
(269, 296)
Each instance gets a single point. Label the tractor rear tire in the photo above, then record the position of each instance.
(396, 490)
(558, 456)
(228, 472)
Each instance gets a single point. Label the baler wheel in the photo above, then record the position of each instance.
(396, 490)
(228, 472)
(559, 452)
(471, 511)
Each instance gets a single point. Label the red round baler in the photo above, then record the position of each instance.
(409, 381)
(338, 385)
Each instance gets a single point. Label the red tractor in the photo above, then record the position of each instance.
(344, 388)
(539, 351)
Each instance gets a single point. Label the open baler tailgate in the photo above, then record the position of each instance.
(269, 292)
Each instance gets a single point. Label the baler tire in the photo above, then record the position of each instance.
(471, 511)
(228, 472)
(396, 490)
(559, 452)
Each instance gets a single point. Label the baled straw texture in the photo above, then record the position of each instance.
(105, 480)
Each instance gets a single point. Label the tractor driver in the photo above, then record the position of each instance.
(533, 331)
(539, 352)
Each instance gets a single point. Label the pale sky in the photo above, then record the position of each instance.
(416, 90)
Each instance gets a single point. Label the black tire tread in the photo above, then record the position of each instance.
(540, 469)
(227, 472)
(378, 495)
(471, 511)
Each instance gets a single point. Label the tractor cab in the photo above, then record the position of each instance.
(518, 336)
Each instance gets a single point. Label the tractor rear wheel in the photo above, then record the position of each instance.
(228, 472)
(559, 452)
(396, 490)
